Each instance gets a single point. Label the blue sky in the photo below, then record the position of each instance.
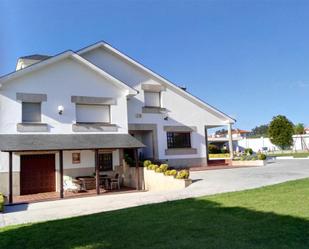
(248, 58)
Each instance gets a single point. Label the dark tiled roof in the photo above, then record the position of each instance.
(36, 57)
(35, 142)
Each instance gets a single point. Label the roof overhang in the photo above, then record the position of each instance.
(67, 54)
(44, 142)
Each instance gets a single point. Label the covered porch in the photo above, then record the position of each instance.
(38, 166)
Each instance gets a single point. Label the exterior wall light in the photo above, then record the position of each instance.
(60, 109)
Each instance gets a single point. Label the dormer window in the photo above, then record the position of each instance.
(152, 99)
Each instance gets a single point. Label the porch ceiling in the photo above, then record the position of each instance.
(37, 142)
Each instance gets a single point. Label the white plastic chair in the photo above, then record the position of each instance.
(69, 185)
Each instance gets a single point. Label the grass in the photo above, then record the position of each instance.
(266, 218)
(293, 154)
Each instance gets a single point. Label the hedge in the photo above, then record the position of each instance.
(1, 203)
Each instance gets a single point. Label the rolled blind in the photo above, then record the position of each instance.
(92, 113)
(152, 99)
(31, 112)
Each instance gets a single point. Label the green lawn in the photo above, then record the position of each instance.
(272, 217)
(293, 154)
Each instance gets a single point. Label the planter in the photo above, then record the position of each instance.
(158, 181)
(249, 163)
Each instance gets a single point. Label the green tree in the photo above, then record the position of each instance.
(280, 131)
(259, 131)
(299, 129)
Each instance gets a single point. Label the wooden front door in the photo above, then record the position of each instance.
(37, 174)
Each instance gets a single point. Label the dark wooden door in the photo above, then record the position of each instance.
(37, 174)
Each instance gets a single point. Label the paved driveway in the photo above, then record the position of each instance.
(205, 183)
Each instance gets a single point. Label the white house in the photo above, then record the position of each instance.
(76, 113)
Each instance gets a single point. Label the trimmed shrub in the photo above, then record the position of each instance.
(248, 151)
(183, 174)
(1, 202)
(147, 163)
(164, 167)
(159, 170)
(224, 151)
(152, 167)
(213, 149)
(172, 172)
(261, 156)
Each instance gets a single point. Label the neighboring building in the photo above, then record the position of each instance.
(221, 140)
(75, 112)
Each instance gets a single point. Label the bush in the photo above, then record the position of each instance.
(213, 149)
(261, 156)
(152, 167)
(164, 167)
(246, 158)
(172, 172)
(224, 151)
(248, 151)
(1, 203)
(147, 163)
(183, 174)
(159, 170)
(130, 161)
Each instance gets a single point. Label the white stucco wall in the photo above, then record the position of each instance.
(181, 111)
(300, 142)
(60, 81)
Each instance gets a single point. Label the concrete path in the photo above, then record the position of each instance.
(205, 183)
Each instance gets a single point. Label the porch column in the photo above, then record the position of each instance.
(206, 144)
(97, 171)
(61, 172)
(230, 140)
(10, 177)
(136, 168)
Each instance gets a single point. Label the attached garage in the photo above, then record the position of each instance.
(37, 174)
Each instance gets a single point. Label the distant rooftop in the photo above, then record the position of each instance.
(35, 57)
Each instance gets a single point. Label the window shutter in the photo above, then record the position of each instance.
(93, 113)
(152, 99)
(31, 112)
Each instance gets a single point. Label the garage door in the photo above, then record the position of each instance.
(37, 174)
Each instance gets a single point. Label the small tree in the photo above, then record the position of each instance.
(299, 129)
(280, 132)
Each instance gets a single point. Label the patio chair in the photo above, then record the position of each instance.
(69, 185)
(115, 181)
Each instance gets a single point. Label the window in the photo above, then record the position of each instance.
(152, 99)
(31, 112)
(178, 140)
(75, 158)
(105, 161)
(92, 113)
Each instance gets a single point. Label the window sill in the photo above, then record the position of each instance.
(153, 109)
(94, 127)
(180, 151)
(32, 127)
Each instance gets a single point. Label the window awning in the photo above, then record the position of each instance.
(43, 142)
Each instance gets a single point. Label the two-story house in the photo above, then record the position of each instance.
(76, 113)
